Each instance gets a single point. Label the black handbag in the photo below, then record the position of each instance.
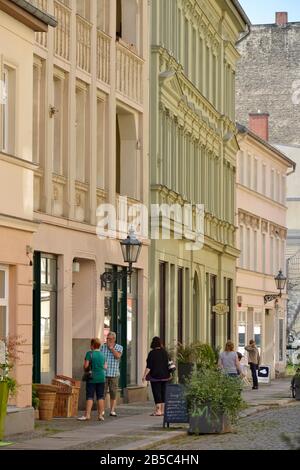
(88, 374)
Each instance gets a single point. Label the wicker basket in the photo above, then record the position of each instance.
(46, 406)
(67, 396)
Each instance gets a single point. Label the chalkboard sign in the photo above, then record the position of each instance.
(175, 405)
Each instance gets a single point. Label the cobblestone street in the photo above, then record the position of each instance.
(265, 431)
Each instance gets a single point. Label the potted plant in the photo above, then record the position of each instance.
(8, 384)
(214, 401)
(295, 385)
(194, 355)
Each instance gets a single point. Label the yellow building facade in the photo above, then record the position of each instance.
(193, 161)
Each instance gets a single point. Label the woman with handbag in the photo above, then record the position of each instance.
(158, 374)
(94, 376)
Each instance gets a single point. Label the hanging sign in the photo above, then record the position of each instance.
(220, 309)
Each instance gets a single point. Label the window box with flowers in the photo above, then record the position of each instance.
(8, 384)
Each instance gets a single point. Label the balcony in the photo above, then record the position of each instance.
(83, 55)
(103, 56)
(41, 38)
(129, 74)
(62, 31)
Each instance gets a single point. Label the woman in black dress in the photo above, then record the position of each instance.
(158, 374)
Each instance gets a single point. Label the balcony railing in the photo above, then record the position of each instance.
(83, 29)
(41, 38)
(62, 31)
(103, 56)
(129, 70)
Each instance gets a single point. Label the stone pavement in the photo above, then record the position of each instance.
(134, 428)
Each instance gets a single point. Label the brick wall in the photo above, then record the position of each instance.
(268, 79)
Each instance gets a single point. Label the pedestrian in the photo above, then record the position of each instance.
(228, 360)
(95, 360)
(157, 373)
(253, 361)
(112, 353)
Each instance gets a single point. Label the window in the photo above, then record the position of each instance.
(81, 137)
(3, 301)
(60, 122)
(132, 327)
(255, 174)
(38, 111)
(162, 301)
(263, 253)
(83, 8)
(278, 184)
(180, 305)
(241, 167)
(103, 15)
(264, 179)
(272, 255)
(119, 19)
(248, 248)
(7, 109)
(242, 336)
(272, 184)
(241, 246)
(249, 171)
(257, 335)
(48, 318)
(255, 250)
(101, 114)
(283, 189)
(186, 45)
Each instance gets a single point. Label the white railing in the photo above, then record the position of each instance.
(83, 29)
(103, 56)
(62, 31)
(129, 74)
(41, 38)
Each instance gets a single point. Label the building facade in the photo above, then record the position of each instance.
(193, 161)
(264, 49)
(90, 108)
(262, 228)
(17, 225)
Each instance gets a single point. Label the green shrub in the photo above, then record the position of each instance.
(216, 390)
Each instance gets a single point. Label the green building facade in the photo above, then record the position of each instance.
(193, 161)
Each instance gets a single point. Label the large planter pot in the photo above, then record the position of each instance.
(46, 405)
(296, 390)
(3, 406)
(209, 423)
(185, 370)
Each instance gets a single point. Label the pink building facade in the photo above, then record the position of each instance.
(261, 218)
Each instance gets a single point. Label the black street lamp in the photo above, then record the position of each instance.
(280, 281)
(131, 248)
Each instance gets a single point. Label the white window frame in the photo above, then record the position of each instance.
(4, 301)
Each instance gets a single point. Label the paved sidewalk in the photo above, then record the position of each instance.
(134, 428)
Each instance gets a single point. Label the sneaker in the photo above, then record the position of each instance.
(101, 418)
(83, 418)
(113, 413)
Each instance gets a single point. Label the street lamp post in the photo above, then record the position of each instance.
(280, 281)
(131, 248)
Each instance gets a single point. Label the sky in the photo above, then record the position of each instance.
(263, 11)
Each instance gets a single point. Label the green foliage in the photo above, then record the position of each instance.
(35, 398)
(9, 354)
(197, 353)
(213, 388)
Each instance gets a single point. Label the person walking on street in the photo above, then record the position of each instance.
(157, 372)
(95, 360)
(253, 360)
(229, 361)
(112, 353)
